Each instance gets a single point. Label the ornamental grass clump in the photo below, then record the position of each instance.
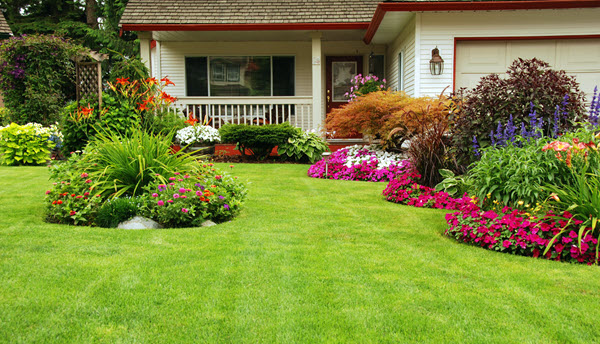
(360, 163)
(122, 166)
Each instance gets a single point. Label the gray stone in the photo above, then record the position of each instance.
(139, 222)
(208, 223)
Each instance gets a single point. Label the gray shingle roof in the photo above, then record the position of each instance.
(4, 28)
(247, 11)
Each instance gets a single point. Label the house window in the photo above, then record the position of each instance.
(196, 76)
(240, 76)
(376, 66)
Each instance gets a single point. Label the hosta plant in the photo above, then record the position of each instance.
(28, 144)
(303, 146)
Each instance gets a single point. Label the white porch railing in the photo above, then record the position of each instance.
(218, 111)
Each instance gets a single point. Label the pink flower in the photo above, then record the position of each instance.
(84, 175)
(172, 178)
(170, 201)
(88, 181)
(48, 192)
(175, 195)
(160, 203)
(177, 173)
(506, 243)
(155, 195)
(73, 212)
(218, 177)
(184, 210)
(182, 190)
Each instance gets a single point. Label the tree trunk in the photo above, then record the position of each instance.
(90, 13)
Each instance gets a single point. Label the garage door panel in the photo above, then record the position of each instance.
(482, 57)
(542, 50)
(578, 57)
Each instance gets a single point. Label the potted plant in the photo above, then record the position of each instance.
(199, 138)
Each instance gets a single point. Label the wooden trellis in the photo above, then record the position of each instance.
(89, 77)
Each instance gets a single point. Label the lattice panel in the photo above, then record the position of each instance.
(87, 77)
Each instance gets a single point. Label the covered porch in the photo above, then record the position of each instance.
(261, 76)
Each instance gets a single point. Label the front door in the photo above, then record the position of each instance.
(340, 70)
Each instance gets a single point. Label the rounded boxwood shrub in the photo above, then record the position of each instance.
(258, 140)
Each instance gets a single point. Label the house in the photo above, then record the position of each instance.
(260, 61)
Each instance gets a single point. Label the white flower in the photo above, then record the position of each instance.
(198, 134)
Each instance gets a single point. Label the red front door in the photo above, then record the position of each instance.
(339, 71)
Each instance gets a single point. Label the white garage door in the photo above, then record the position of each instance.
(578, 57)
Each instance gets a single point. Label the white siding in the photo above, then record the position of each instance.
(173, 59)
(440, 29)
(404, 43)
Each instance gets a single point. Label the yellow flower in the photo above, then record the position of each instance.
(520, 202)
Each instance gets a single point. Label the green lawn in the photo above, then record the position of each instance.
(306, 261)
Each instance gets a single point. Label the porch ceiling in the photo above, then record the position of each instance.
(391, 26)
(239, 36)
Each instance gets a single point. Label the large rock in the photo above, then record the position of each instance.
(208, 223)
(139, 222)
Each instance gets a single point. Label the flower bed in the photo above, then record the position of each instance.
(405, 190)
(360, 163)
(514, 231)
(507, 230)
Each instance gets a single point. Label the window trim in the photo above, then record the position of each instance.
(209, 56)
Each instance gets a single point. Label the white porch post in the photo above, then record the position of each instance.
(317, 82)
(145, 50)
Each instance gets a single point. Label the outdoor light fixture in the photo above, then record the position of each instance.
(436, 64)
(326, 156)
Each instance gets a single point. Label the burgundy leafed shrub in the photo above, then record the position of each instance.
(530, 86)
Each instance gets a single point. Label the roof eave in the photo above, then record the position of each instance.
(428, 6)
(246, 27)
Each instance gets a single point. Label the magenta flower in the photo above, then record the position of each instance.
(184, 210)
(175, 195)
(506, 243)
(182, 190)
(172, 178)
(155, 195)
(160, 203)
(170, 201)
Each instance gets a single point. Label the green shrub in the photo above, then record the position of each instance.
(120, 114)
(24, 145)
(78, 127)
(303, 146)
(529, 86)
(514, 175)
(164, 123)
(257, 140)
(124, 165)
(115, 211)
(4, 116)
(190, 199)
(73, 198)
(133, 69)
(37, 76)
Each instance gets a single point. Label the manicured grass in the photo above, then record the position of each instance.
(307, 261)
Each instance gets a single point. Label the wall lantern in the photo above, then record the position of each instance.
(436, 64)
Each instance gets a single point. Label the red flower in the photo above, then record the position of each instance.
(142, 107)
(167, 81)
(73, 212)
(122, 81)
(59, 202)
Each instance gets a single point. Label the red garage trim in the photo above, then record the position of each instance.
(422, 6)
(509, 38)
(246, 27)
